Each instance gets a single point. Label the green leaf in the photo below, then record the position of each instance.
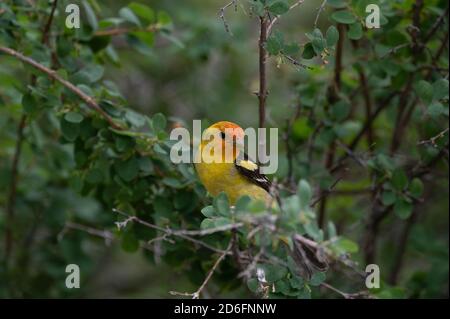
(73, 117)
(128, 170)
(222, 221)
(304, 293)
(242, 203)
(253, 285)
(164, 20)
(29, 103)
(275, 43)
(207, 223)
(308, 51)
(317, 278)
(90, 15)
(296, 282)
(416, 188)
(279, 7)
(340, 110)
(355, 31)
(69, 130)
(304, 193)
(274, 272)
(331, 230)
(143, 11)
(291, 48)
(221, 204)
(159, 122)
(425, 91)
(94, 176)
(346, 245)
(172, 182)
(403, 208)
(208, 211)
(146, 165)
(388, 198)
(332, 36)
(440, 89)
(317, 41)
(272, 46)
(436, 109)
(399, 179)
(301, 129)
(129, 16)
(343, 16)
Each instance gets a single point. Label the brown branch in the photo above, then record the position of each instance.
(404, 98)
(45, 33)
(11, 201)
(435, 26)
(325, 193)
(332, 98)
(401, 250)
(262, 94)
(54, 75)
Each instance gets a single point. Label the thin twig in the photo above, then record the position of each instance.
(433, 140)
(322, 6)
(168, 231)
(362, 294)
(221, 15)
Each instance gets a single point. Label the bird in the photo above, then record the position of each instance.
(233, 173)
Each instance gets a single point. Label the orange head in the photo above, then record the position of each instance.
(226, 136)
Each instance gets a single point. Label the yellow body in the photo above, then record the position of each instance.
(220, 177)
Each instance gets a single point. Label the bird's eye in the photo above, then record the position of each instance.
(222, 135)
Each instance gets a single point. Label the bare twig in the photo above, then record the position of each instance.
(222, 15)
(326, 192)
(46, 31)
(319, 11)
(361, 294)
(433, 140)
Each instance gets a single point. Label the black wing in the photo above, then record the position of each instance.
(250, 170)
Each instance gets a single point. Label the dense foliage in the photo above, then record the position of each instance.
(85, 116)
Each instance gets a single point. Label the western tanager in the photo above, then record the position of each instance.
(236, 176)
